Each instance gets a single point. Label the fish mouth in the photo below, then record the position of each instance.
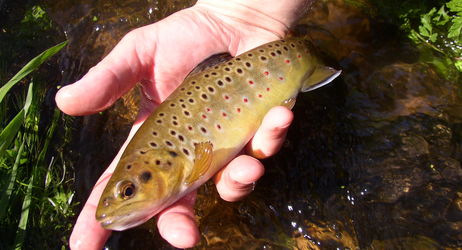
(124, 221)
(125, 217)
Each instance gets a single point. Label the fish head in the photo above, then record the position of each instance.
(139, 188)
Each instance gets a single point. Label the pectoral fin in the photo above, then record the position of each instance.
(202, 162)
(321, 76)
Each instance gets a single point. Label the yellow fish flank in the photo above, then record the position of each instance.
(202, 125)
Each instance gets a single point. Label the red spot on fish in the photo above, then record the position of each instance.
(251, 82)
(238, 110)
(218, 126)
(224, 114)
(208, 109)
(226, 97)
(299, 56)
(266, 73)
(287, 61)
(246, 100)
(204, 116)
(281, 78)
(267, 89)
(260, 96)
(190, 128)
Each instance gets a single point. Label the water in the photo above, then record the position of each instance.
(371, 161)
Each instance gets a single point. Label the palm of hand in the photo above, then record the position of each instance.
(160, 55)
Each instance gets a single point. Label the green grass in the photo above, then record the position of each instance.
(36, 199)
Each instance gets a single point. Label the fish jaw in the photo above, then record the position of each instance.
(126, 217)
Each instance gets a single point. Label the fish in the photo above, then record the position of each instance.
(203, 125)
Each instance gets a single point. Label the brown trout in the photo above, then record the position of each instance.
(204, 124)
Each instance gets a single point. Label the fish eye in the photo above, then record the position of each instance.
(127, 190)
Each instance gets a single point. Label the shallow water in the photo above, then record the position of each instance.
(371, 161)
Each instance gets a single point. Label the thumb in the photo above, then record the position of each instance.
(117, 73)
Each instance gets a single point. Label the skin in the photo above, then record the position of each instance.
(159, 56)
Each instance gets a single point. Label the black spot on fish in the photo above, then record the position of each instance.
(157, 162)
(173, 132)
(169, 163)
(213, 73)
(185, 151)
(193, 82)
(145, 176)
(142, 152)
(154, 133)
(197, 87)
(172, 153)
(277, 44)
(285, 48)
(183, 106)
(181, 100)
(203, 130)
(172, 105)
(292, 45)
(239, 70)
(220, 83)
(248, 65)
(169, 143)
(261, 50)
(175, 123)
(273, 54)
(107, 201)
(161, 114)
(153, 144)
(279, 52)
(227, 69)
(263, 58)
(230, 63)
(180, 137)
(174, 117)
(146, 162)
(186, 113)
(238, 59)
(206, 75)
(128, 167)
(189, 93)
(204, 96)
(191, 100)
(270, 46)
(211, 89)
(228, 79)
(159, 121)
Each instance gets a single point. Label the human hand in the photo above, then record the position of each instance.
(160, 56)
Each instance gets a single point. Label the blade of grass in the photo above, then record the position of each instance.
(11, 130)
(30, 66)
(6, 196)
(22, 226)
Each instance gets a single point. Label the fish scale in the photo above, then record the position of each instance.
(202, 125)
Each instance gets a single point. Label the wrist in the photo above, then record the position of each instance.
(274, 16)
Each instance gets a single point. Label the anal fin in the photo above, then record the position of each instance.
(202, 161)
(321, 76)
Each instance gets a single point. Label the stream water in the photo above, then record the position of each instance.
(371, 161)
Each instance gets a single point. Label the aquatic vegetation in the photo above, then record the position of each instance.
(36, 198)
(435, 25)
